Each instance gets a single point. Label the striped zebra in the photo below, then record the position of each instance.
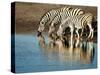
(49, 16)
(78, 22)
(63, 15)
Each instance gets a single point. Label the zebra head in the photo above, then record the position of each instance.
(40, 29)
(62, 27)
(41, 26)
(42, 23)
(51, 29)
(60, 31)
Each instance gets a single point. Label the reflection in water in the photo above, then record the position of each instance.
(67, 50)
(41, 41)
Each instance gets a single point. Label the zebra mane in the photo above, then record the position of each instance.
(43, 16)
(56, 9)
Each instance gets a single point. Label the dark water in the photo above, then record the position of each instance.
(30, 57)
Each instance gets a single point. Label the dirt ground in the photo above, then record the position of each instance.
(28, 15)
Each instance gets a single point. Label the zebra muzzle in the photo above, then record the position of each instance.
(39, 33)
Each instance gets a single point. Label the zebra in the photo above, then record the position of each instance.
(49, 16)
(78, 22)
(63, 15)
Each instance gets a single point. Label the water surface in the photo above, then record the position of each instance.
(30, 57)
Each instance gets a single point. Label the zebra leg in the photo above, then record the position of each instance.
(81, 32)
(77, 33)
(91, 31)
(71, 30)
(77, 43)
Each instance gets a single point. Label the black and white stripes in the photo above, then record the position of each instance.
(78, 22)
(66, 17)
(63, 15)
(49, 16)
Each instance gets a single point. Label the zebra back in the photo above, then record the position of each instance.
(81, 21)
(74, 12)
(49, 15)
(86, 19)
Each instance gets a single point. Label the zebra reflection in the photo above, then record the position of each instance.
(64, 51)
(41, 41)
